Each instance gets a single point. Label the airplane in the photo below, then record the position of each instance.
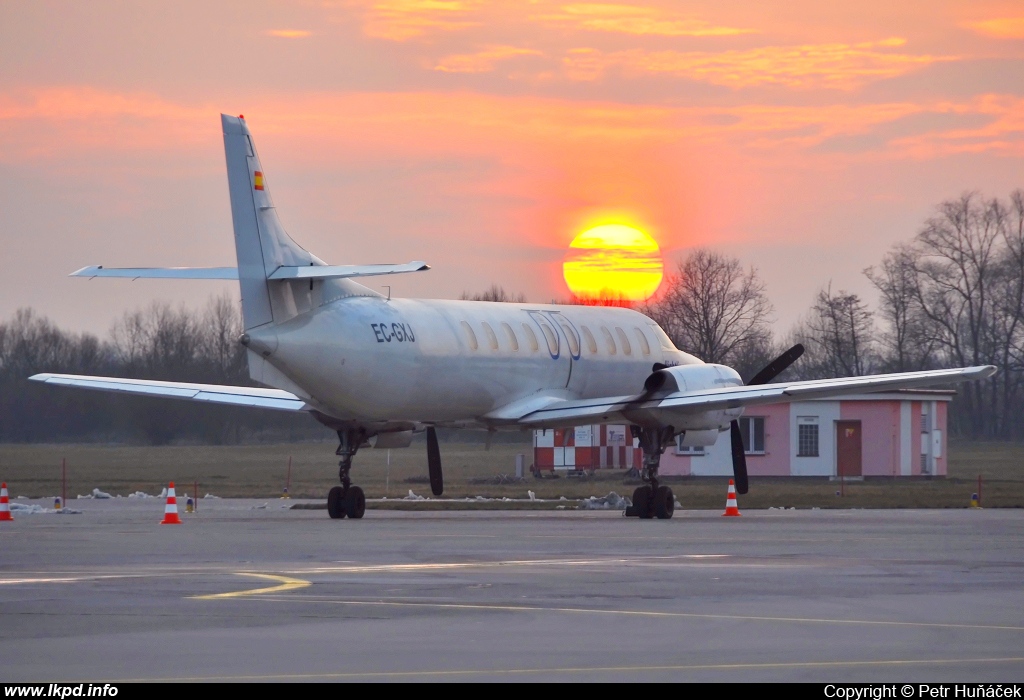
(377, 370)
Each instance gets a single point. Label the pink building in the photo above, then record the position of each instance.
(900, 433)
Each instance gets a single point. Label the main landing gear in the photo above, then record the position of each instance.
(347, 500)
(652, 500)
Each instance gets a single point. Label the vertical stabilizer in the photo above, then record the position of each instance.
(261, 243)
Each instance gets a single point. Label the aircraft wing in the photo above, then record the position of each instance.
(306, 272)
(211, 393)
(619, 408)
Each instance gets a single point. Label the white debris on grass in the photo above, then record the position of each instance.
(96, 493)
(139, 494)
(34, 508)
(413, 497)
(163, 493)
(210, 495)
(612, 501)
(532, 495)
(21, 498)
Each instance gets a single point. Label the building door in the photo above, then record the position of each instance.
(848, 448)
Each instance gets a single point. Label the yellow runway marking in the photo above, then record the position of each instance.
(679, 559)
(287, 584)
(638, 613)
(574, 669)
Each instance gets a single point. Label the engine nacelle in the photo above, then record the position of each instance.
(689, 378)
(692, 378)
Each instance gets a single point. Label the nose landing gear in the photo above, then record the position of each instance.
(347, 499)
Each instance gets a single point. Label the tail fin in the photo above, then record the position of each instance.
(261, 244)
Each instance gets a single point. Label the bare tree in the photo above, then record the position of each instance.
(959, 257)
(495, 293)
(906, 341)
(714, 308)
(840, 329)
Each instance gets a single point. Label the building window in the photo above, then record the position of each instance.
(752, 430)
(807, 440)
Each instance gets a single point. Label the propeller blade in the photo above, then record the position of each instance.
(739, 457)
(434, 463)
(778, 365)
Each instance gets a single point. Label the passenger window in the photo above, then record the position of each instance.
(645, 347)
(489, 332)
(513, 341)
(570, 335)
(626, 350)
(549, 335)
(531, 338)
(608, 340)
(588, 337)
(470, 336)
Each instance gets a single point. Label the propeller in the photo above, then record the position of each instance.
(772, 370)
(434, 463)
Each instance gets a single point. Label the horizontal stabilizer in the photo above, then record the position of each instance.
(211, 393)
(160, 273)
(307, 272)
(328, 272)
(617, 408)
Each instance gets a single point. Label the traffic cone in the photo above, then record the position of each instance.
(5, 506)
(730, 504)
(171, 509)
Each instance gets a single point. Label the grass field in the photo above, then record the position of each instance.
(260, 471)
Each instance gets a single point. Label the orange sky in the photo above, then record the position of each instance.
(803, 137)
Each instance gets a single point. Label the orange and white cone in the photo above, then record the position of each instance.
(5, 505)
(730, 504)
(171, 509)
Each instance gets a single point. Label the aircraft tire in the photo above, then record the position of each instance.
(664, 503)
(335, 506)
(355, 502)
(642, 502)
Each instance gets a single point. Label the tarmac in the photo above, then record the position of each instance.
(251, 590)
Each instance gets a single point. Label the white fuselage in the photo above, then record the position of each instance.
(369, 359)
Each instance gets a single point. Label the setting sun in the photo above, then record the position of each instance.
(613, 261)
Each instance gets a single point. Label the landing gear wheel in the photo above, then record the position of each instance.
(642, 502)
(355, 503)
(335, 504)
(664, 503)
